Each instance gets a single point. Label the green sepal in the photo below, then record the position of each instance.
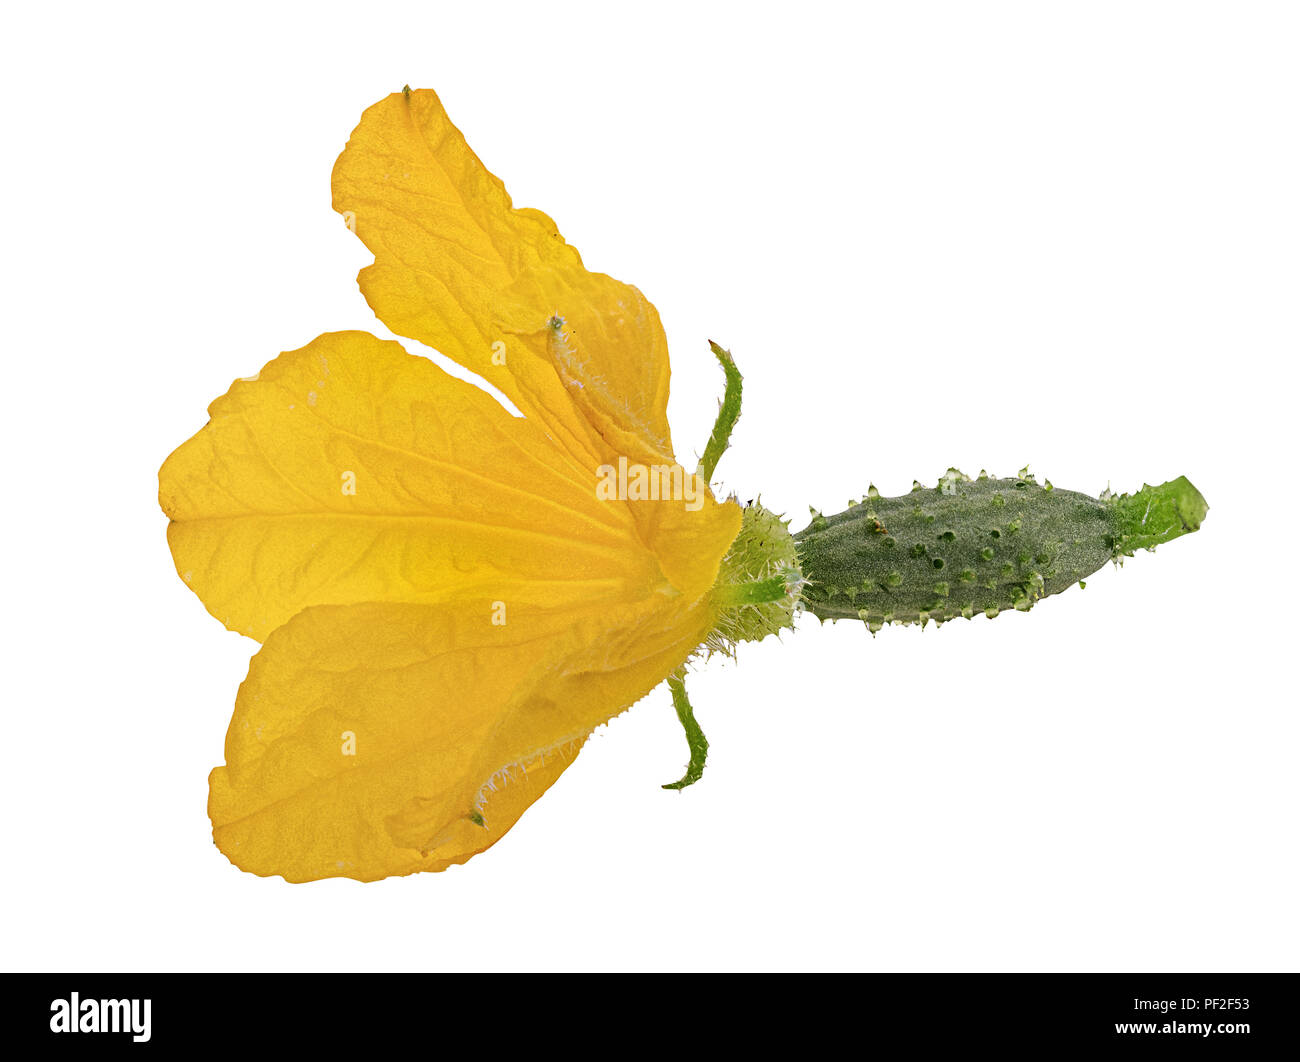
(695, 739)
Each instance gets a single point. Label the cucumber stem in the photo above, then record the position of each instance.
(1155, 515)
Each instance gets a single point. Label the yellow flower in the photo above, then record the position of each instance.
(448, 603)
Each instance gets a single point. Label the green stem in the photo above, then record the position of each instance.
(695, 738)
(1158, 514)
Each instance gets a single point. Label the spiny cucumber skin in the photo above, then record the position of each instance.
(763, 550)
(969, 546)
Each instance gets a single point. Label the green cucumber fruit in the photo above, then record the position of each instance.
(981, 545)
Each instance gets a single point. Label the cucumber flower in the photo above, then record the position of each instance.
(450, 597)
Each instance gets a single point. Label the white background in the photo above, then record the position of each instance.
(932, 234)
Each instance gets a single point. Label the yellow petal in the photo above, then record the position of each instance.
(351, 471)
(444, 234)
(610, 351)
(458, 268)
(379, 739)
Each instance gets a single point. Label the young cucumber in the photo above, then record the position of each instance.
(982, 545)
